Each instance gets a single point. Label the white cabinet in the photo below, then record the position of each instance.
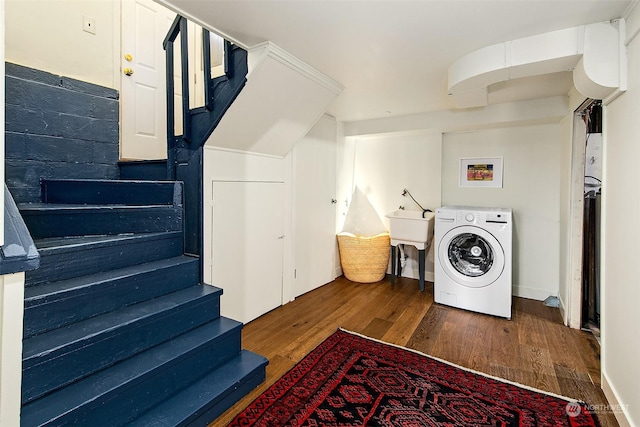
(247, 223)
(248, 242)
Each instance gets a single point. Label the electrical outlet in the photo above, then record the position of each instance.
(88, 25)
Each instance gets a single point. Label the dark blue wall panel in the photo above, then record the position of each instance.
(57, 128)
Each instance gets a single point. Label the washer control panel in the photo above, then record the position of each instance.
(466, 217)
(477, 218)
(497, 217)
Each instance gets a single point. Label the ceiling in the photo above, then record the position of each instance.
(392, 56)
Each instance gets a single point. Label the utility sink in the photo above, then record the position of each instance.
(410, 227)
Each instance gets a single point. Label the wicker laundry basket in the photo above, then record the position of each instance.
(364, 259)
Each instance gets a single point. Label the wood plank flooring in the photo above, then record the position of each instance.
(534, 348)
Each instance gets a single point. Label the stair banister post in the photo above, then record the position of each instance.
(206, 61)
(171, 137)
(167, 45)
(184, 62)
(228, 61)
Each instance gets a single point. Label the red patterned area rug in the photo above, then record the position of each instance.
(351, 380)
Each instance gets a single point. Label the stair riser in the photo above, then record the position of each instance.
(214, 411)
(66, 263)
(54, 369)
(120, 406)
(83, 221)
(144, 169)
(135, 193)
(54, 311)
(210, 396)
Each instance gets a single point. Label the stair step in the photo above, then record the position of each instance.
(53, 305)
(118, 394)
(143, 169)
(64, 258)
(64, 355)
(112, 192)
(206, 399)
(51, 220)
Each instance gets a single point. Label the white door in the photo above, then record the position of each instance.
(247, 240)
(143, 99)
(314, 207)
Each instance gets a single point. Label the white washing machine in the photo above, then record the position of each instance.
(473, 259)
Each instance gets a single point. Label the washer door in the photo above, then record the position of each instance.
(471, 256)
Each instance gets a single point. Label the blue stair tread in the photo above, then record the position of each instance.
(54, 207)
(80, 243)
(73, 336)
(117, 378)
(109, 181)
(53, 305)
(63, 258)
(45, 293)
(183, 407)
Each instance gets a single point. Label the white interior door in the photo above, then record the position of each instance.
(314, 207)
(248, 224)
(142, 92)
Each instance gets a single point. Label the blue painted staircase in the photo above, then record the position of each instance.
(117, 328)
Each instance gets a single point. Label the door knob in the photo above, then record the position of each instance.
(128, 57)
(128, 71)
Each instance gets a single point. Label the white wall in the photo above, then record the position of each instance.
(11, 310)
(620, 311)
(2, 30)
(72, 52)
(382, 166)
(11, 300)
(532, 166)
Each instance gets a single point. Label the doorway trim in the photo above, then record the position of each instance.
(572, 314)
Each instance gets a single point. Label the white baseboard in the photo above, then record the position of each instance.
(619, 410)
(530, 293)
(563, 311)
(428, 275)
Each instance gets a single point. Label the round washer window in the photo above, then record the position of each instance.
(470, 254)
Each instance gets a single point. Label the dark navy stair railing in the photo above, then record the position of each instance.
(184, 150)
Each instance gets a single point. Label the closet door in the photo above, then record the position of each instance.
(248, 224)
(314, 192)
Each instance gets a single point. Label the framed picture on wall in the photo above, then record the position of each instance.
(481, 172)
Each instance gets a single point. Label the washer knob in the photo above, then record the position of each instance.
(469, 217)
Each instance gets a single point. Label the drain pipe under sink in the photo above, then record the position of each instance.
(403, 260)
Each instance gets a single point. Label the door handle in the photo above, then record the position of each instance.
(128, 71)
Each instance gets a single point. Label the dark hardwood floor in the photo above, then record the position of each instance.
(534, 348)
